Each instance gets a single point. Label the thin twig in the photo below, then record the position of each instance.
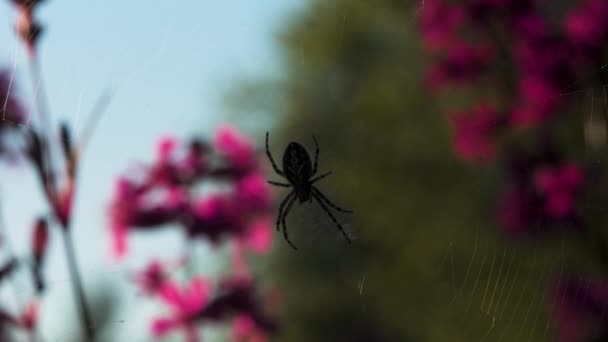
(77, 283)
(93, 119)
(44, 113)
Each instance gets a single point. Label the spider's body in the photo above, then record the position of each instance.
(298, 169)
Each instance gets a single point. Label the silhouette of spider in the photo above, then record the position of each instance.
(298, 170)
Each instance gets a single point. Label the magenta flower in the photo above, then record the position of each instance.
(217, 214)
(475, 133)
(238, 149)
(560, 187)
(236, 297)
(186, 304)
(539, 97)
(245, 330)
(137, 205)
(462, 64)
(121, 214)
(439, 23)
(586, 27)
(253, 192)
(170, 191)
(529, 27)
(152, 278)
(259, 236)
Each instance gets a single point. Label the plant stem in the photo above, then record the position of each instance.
(77, 284)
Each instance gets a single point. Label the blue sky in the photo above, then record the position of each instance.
(167, 65)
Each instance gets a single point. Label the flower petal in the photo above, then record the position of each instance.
(161, 326)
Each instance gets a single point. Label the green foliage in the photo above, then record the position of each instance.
(428, 263)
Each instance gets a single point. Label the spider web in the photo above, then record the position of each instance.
(498, 289)
(504, 290)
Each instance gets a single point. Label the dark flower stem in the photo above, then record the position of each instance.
(43, 112)
(77, 284)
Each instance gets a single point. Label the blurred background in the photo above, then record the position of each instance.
(429, 260)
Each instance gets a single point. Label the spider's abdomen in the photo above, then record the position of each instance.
(297, 165)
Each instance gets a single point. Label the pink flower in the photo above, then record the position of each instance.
(245, 330)
(586, 26)
(29, 317)
(166, 147)
(474, 133)
(142, 206)
(560, 186)
(538, 91)
(529, 27)
(216, 215)
(152, 278)
(186, 305)
(463, 63)
(214, 206)
(527, 115)
(194, 162)
(119, 241)
(439, 23)
(259, 236)
(237, 148)
(121, 214)
(539, 98)
(253, 192)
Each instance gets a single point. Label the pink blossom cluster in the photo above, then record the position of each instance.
(541, 191)
(526, 59)
(546, 59)
(531, 59)
(167, 192)
(212, 190)
(199, 302)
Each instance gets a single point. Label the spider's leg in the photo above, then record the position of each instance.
(274, 165)
(318, 178)
(285, 200)
(324, 198)
(285, 185)
(331, 216)
(314, 169)
(293, 200)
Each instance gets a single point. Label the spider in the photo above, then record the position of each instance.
(298, 170)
